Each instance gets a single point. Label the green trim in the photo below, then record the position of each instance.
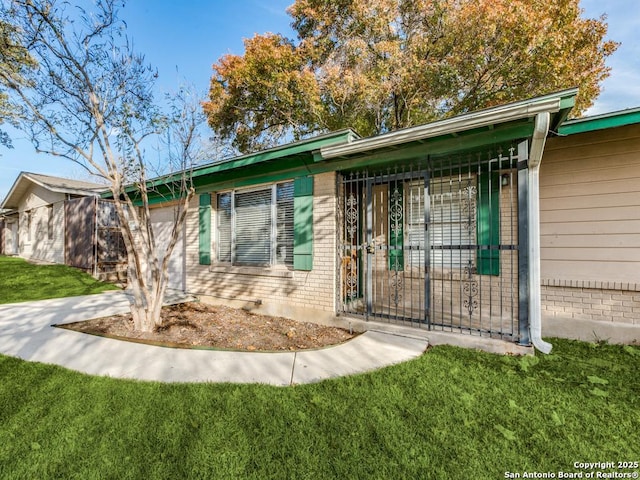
(600, 122)
(305, 157)
(292, 162)
(303, 223)
(567, 102)
(261, 167)
(439, 146)
(229, 175)
(396, 230)
(204, 229)
(488, 223)
(303, 150)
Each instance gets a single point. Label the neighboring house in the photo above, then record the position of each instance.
(59, 220)
(1, 233)
(434, 226)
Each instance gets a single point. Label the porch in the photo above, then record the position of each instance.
(434, 244)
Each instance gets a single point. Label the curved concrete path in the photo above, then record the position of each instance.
(26, 332)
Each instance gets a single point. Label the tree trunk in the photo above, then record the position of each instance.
(147, 298)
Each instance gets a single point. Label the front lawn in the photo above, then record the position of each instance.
(450, 414)
(21, 281)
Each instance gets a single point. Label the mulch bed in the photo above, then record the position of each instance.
(198, 325)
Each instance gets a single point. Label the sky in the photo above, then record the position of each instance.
(183, 39)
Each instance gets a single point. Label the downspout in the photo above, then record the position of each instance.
(542, 121)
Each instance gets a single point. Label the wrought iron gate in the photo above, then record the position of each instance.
(433, 246)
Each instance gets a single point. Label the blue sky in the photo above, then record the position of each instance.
(183, 39)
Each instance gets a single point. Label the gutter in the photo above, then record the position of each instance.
(541, 130)
(482, 118)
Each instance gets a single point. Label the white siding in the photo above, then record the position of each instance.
(36, 243)
(162, 220)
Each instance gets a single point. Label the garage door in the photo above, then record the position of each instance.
(162, 220)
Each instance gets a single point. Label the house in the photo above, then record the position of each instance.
(508, 223)
(435, 227)
(60, 220)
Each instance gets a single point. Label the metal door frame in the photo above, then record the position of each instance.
(369, 248)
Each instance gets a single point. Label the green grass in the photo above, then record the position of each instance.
(21, 281)
(450, 414)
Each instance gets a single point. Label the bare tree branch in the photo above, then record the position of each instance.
(91, 101)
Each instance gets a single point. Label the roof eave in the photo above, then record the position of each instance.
(310, 147)
(560, 102)
(604, 121)
(6, 202)
(13, 204)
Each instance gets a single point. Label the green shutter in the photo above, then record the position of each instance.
(396, 230)
(204, 229)
(488, 228)
(303, 223)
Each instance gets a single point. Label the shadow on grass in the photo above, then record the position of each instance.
(21, 281)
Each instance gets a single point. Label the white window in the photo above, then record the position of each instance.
(255, 227)
(452, 222)
(50, 222)
(28, 216)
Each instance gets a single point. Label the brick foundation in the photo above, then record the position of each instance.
(591, 311)
(600, 304)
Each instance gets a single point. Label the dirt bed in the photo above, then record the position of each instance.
(198, 325)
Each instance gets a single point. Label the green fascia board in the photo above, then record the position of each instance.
(600, 122)
(303, 147)
(485, 118)
(568, 101)
(268, 172)
(288, 168)
(230, 182)
(252, 168)
(294, 165)
(500, 136)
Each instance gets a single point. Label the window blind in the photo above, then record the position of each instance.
(452, 222)
(223, 212)
(253, 227)
(256, 227)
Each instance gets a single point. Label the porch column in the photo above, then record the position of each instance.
(523, 244)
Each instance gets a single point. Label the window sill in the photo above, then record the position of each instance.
(273, 272)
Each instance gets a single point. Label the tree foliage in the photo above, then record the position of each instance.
(91, 100)
(14, 62)
(381, 65)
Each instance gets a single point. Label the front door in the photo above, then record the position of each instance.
(384, 239)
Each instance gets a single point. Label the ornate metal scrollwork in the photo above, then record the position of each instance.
(351, 216)
(470, 288)
(396, 287)
(396, 240)
(351, 280)
(468, 205)
(396, 212)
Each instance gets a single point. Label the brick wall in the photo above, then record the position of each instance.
(277, 285)
(618, 303)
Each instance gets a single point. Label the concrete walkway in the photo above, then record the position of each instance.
(26, 332)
